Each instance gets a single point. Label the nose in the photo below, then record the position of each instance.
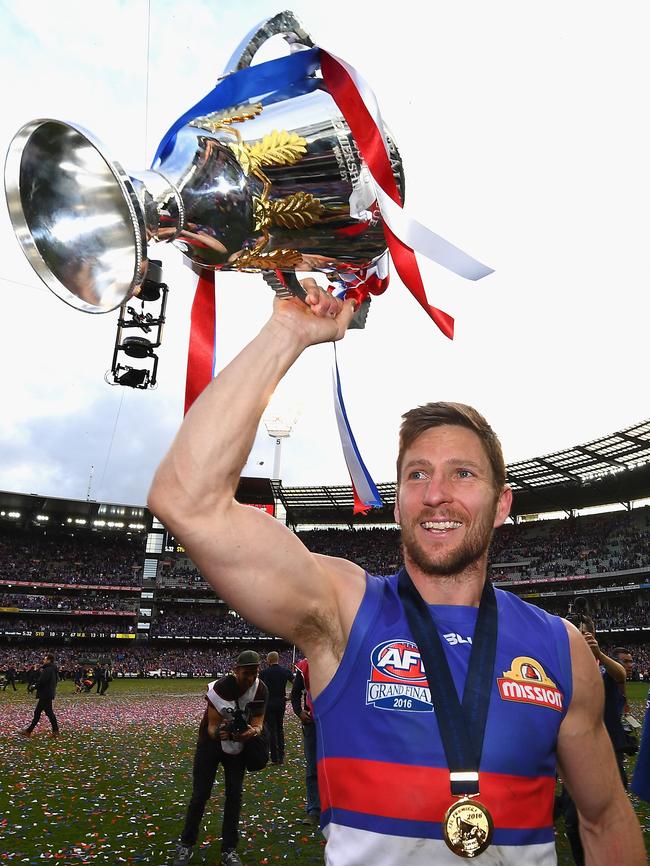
(437, 491)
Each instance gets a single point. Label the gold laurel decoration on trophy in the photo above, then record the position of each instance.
(272, 260)
(216, 120)
(279, 148)
(261, 213)
(297, 211)
(276, 148)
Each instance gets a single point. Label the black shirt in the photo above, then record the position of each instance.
(46, 682)
(276, 678)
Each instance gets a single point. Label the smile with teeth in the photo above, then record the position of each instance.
(440, 525)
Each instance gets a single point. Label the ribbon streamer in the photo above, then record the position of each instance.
(202, 344)
(352, 95)
(366, 495)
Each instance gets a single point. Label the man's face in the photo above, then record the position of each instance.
(246, 676)
(447, 506)
(626, 660)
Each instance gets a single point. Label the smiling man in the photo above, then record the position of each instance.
(443, 707)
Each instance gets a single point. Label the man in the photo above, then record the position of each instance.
(275, 677)
(641, 778)
(624, 657)
(31, 676)
(10, 677)
(221, 742)
(45, 692)
(614, 676)
(385, 781)
(303, 708)
(98, 677)
(106, 679)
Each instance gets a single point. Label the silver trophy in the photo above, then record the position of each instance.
(276, 188)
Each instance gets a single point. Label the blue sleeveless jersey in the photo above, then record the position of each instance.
(383, 775)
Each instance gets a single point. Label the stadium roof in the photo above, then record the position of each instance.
(614, 468)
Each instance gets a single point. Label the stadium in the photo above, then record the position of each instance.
(105, 582)
(126, 195)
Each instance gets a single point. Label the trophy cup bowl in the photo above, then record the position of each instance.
(274, 187)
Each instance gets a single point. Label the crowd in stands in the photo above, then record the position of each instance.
(203, 623)
(598, 544)
(624, 614)
(587, 545)
(70, 558)
(68, 624)
(79, 601)
(590, 546)
(135, 661)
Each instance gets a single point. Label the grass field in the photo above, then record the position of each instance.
(113, 788)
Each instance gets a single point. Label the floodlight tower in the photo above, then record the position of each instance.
(278, 428)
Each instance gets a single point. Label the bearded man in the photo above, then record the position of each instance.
(444, 708)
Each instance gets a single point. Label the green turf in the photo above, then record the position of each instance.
(114, 787)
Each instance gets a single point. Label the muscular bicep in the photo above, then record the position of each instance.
(265, 572)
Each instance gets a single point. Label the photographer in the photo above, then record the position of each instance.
(234, 714)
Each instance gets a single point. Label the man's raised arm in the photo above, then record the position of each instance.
(252, 561)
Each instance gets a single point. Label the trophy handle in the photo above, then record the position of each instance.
(283, 24)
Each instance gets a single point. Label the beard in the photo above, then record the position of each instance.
(466, 556)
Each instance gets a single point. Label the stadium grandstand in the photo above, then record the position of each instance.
(106, 581)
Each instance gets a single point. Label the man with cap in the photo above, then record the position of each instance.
(221, 739)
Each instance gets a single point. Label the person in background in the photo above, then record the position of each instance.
(303, 708)
(275, 677)
(98, 677)
(640, 784)
(221, 742)
(10, 678)
(45, 692)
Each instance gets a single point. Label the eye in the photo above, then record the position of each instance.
(417, 474)
(464, 473)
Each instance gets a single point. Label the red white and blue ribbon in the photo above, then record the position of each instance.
(365, 492)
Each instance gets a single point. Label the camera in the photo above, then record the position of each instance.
(236, 721)
(578, 614)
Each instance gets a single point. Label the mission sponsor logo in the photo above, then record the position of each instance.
(397, 679)
(527, 683)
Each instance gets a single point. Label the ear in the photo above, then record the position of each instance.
(504, 504)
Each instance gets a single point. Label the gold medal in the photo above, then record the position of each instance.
(467, 827)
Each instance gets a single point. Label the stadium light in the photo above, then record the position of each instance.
(278, 428)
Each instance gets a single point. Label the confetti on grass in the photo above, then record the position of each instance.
(114, 787)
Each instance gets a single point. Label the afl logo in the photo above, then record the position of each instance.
(397, 661)
(397, 680)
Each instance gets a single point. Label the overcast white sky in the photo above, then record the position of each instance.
(524, 136)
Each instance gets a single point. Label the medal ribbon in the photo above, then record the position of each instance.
(462, 726)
